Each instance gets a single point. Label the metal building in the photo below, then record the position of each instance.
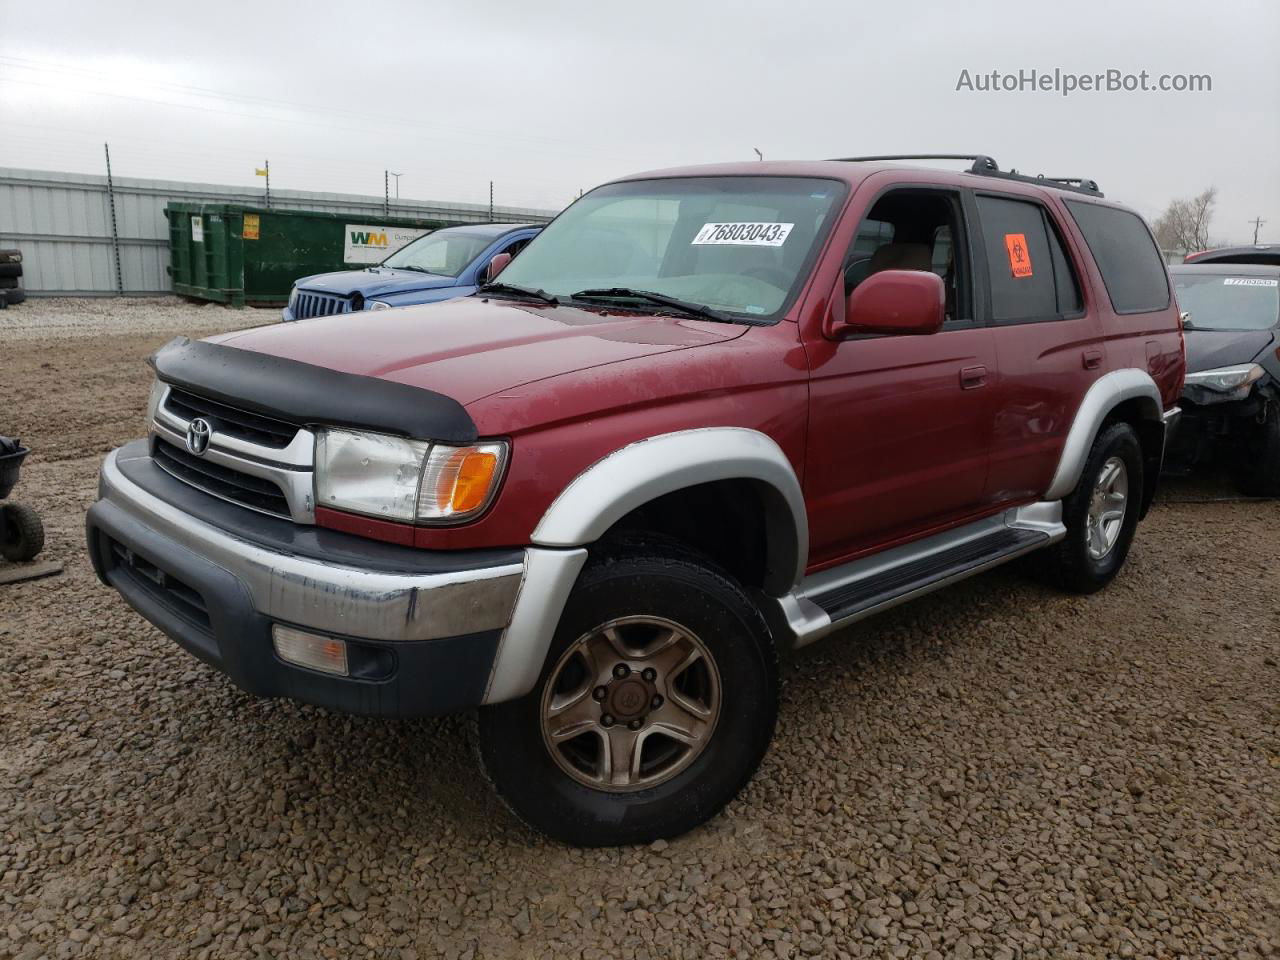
(62, 223)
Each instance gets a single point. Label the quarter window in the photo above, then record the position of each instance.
(1031, 276)
(1130, 263)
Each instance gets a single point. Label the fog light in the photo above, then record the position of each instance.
(326, 654)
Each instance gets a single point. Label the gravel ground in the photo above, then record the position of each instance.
(996, 771)
(59, 318)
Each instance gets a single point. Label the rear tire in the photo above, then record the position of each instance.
(548, 753)
(21, 532)
(1258, 474)
(1097, 541)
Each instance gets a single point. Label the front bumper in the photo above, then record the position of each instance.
(1207, 431)
(423, 629)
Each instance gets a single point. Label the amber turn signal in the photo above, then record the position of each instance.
(459, 481)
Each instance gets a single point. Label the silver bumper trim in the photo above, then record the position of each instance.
(328, 597)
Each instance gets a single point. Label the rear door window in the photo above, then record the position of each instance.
(1030, 274)
(1130, 263)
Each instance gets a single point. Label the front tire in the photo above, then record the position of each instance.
(655, 706)
(1258, 473)
(1100, 514)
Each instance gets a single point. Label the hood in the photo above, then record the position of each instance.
(374, 282)
(1209, 349)
(470, 348)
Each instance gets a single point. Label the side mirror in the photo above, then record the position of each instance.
(495, 267)
(892, 302)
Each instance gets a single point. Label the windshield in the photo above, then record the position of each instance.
(444, 252)
(740, 245)
(1217, 302)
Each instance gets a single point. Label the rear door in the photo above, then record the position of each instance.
(1047, 339)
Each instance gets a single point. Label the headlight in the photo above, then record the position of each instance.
(405, 480)
(1232, 383)
(378, 305)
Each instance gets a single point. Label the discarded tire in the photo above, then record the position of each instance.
(21, 532)
(15, 296)
(10, 269)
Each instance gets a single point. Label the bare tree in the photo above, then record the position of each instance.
(1184, 225)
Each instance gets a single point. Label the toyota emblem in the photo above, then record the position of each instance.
(198, 434)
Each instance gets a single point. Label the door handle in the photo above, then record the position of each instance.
(1092, 359)
(973, 377)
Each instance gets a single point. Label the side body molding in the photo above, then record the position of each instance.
(1106, 393)
(629, 478)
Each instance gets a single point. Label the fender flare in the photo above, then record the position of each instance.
(1106, 393)
(636, 474)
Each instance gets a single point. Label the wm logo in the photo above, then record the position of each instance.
(364, 239)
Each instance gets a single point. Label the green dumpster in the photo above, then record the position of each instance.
(239, 255)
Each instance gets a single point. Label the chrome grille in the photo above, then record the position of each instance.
(244, 424)
(307, 305)
(252, 460)
(242, 488)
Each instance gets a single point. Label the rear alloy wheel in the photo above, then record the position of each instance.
(655, 705)
(1108, 505)
(1100, 514)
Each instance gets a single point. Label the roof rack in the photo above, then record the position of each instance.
(985, 166)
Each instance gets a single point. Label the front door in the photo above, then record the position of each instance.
(900, 426)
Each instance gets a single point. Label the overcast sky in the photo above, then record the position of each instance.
(546, 97)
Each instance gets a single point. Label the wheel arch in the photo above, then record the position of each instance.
(639, 474)
(1129, 395)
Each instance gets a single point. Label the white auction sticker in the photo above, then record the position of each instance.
(1250, 282)
(744, 234)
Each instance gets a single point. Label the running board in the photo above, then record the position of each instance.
(835, 598)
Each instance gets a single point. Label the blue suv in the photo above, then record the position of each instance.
(442, 265)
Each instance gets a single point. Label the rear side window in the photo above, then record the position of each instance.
(1127, 258)
(1031, 277)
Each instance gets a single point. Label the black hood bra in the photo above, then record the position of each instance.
(306, 394)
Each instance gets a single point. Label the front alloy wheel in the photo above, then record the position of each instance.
(654, 707)
(631, 704)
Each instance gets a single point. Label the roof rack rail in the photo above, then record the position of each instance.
(985, 166)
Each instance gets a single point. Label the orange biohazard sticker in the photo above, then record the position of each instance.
(1019, 255)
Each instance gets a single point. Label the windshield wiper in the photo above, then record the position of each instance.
(626, 293)
(520, 291)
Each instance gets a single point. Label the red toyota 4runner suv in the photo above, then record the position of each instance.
(708, 416)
